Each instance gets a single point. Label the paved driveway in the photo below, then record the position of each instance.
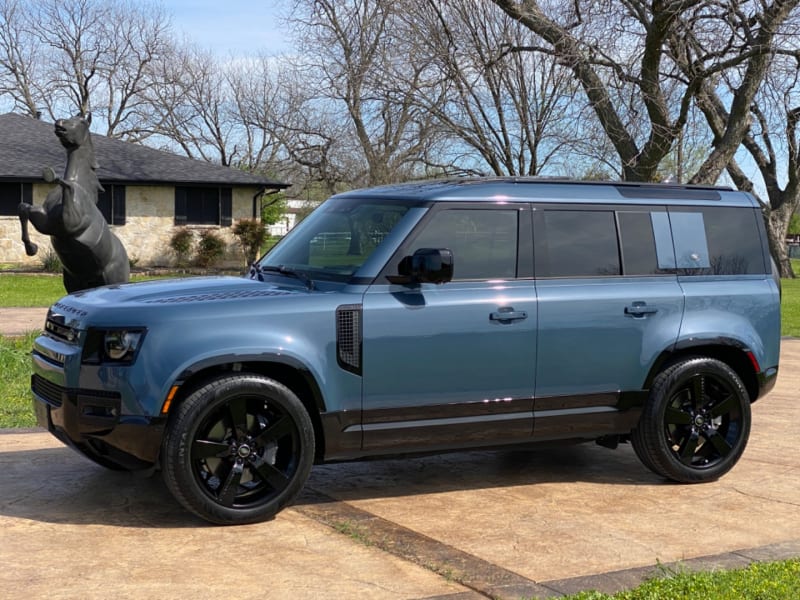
(509, 524)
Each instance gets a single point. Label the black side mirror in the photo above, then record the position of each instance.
(426, 265)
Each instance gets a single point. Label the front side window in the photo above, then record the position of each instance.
(336, 239)
(483, 241)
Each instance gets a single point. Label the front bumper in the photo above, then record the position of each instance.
(92, 421)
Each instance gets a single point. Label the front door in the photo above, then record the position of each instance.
(454, 364)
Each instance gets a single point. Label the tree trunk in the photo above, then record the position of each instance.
(777, 223)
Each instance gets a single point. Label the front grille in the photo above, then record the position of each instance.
(348, 337)
(55, 394)
(50, 392)
(55, 328)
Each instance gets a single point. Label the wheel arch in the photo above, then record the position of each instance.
(285, 370)
(730, 351)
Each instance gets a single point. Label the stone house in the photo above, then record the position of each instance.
(148, 193)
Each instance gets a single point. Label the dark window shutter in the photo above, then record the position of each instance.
(119, 204)
(27, 193)
(226, 206)
(180, 206)
(104, 202)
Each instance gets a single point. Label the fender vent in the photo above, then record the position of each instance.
(348, 337)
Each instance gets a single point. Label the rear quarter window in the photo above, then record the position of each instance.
(732, 244)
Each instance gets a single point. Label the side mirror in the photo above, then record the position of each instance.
(426, 265)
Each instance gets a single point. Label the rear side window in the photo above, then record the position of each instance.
(717, 241)
(577, 243)
(638, 243)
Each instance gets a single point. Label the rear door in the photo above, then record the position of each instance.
(609, 303)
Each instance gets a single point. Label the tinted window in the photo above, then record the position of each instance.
(338, 238)
(11, 194)
(577, 244)
(203, 206)
(733, 241)
(638, 244)
(111, 202)
(484, 242)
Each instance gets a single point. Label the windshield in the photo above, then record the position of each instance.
(336, 239)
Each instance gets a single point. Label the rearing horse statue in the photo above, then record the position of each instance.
(91, 255)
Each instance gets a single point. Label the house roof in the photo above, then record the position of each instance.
(27, 145)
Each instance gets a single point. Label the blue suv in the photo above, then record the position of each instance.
(430, 317)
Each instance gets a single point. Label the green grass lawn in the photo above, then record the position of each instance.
(15, 381)
(40, 289)
(761, 581)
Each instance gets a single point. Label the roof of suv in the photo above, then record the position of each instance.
(511, 189)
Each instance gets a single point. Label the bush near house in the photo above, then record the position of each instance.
(210, 249)
(251, 234)
(181, 243)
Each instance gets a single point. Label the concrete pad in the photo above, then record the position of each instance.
(509, 524)
(19, 321)
(70, 529)
(575, 511)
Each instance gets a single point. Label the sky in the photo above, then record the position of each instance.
(230, 27)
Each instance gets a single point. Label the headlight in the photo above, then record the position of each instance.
(112, 345)
(122, 345)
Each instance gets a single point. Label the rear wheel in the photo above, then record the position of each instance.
(696, 422)
(238, 449)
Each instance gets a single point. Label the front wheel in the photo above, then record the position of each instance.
(695, 425)
(238, 449)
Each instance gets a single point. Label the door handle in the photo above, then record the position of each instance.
(639, 309)
(507, 314)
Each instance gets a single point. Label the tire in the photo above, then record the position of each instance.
(696, 423)
(238, 449)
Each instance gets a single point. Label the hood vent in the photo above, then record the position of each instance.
(223, 295)
(348, 337)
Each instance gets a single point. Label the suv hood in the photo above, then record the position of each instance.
(180, 291)
(109, 302)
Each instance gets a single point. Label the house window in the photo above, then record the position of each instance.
(11, 194)
(203, 206)
(111, 203)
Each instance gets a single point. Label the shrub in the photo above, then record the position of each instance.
(50, 261)
(181, 244)
(210, 249)
(251, 234)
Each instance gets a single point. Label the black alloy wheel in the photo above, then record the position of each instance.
(238, 449)
(696, 423)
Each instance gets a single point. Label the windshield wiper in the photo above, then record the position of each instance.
(288, 271)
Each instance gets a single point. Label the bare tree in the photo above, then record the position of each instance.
(67, 56)
(350, 48)
(260, 108)
(620, 54)
(21, 59)
(765, 116)
(773, 145)
(512, 109)
(194, 106)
